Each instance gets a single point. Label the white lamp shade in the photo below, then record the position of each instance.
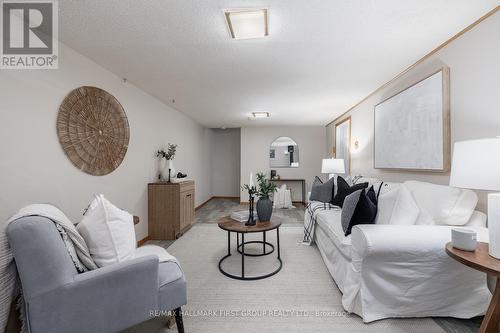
(333, 165)
(476, 164)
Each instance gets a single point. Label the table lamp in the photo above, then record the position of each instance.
(476, 165)
(333, 166)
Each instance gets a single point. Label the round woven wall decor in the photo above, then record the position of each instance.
(93, 130)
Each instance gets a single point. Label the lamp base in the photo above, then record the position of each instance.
(494, 224)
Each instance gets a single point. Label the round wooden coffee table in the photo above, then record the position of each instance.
(228, 224)
(482, 261)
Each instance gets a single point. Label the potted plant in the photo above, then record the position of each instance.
(265, 204)
(168, 171)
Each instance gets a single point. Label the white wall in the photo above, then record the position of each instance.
(255, 144)
(474, 62)
(225, 159)
(34, 168)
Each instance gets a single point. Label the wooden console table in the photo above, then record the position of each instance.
(482, 261)
(303, 184)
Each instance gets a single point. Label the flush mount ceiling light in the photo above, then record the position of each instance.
(260, 114)
(247, 23)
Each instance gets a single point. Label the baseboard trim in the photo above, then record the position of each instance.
(293, 202)
(203, 203)
(215, 197)
(143, 241)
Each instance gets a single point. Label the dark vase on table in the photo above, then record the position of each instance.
(264, 209)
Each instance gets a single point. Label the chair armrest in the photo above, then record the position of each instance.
(107, 299)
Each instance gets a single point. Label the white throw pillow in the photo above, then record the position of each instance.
(406, 211)
(386, 202)
(441, 204)
(108, 232)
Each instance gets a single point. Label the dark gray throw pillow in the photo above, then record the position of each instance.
(358, 209)
(344, 189)
(322, 192)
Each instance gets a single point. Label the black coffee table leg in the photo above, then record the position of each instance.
(228, 243)
(242, 255)
(278, 235)
(264, 243)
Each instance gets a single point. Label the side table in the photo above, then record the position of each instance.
(482, 261)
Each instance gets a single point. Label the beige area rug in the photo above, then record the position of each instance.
(302, 297)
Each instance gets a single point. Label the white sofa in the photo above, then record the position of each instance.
(398, 267)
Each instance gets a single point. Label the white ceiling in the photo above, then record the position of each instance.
(322, 56)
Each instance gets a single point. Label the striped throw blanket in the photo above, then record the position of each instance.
(312, 210)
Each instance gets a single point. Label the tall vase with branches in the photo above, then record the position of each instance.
(168, 172)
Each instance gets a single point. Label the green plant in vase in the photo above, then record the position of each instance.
(265, 204)
(168, 171)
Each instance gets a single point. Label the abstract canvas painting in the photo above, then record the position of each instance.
(412, 130)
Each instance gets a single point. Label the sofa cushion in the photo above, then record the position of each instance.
(386, 202)
(322, 192)
(330, 222)
(155, 250)
(358, 208)
(108, 231)
(405, 211)
(344, 189)
(347, 178)
(172, 285)
(441, 204)
(168, 272)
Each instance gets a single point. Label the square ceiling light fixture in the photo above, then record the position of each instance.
(247, 23)
(260, 114)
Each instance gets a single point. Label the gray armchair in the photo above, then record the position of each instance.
(109, 299)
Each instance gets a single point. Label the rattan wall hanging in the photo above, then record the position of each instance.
(93, 130)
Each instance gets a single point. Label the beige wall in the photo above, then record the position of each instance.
(255, 144)
(225, 159)
(474, 62)
(33, 167)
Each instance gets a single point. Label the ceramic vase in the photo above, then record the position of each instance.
(170, 165)
(162, 167)
(264, 209)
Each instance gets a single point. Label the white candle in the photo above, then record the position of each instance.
(250, 183)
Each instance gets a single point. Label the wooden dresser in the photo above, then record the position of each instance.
(170, 209)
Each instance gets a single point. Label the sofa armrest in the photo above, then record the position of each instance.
(107, 299)
(396, 241)
(405, 270)
(477, 219)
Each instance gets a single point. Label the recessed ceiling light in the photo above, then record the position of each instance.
(260, 114)
(247, 23)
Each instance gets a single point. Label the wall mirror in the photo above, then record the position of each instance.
(284, 153)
